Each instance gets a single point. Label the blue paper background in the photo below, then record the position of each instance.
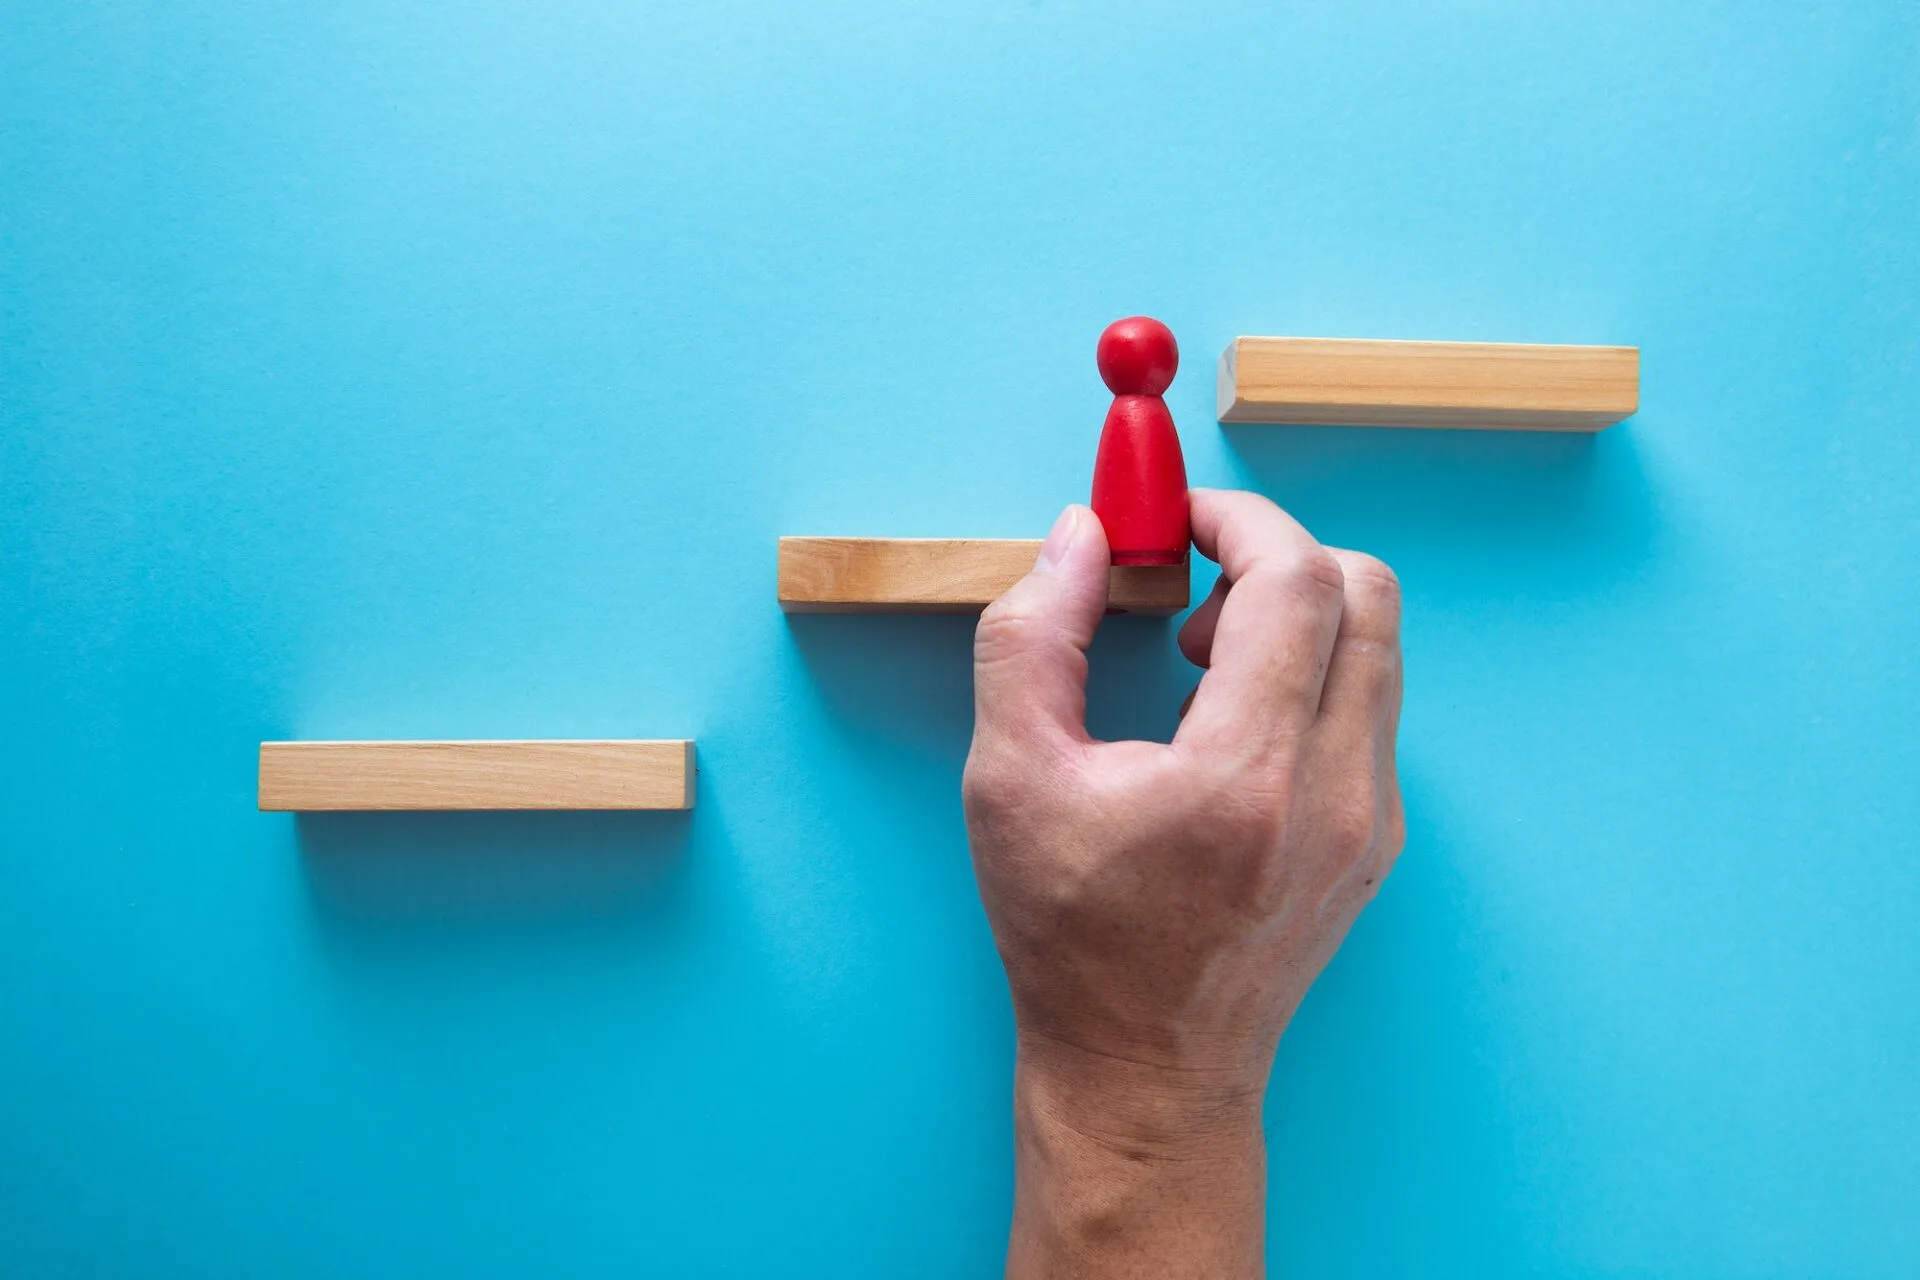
(394, 368)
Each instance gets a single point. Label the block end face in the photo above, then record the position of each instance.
(1226, 390)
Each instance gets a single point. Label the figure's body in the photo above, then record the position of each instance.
(1139, 477)
(1161, 909)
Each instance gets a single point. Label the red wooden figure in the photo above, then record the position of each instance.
(1139, 477)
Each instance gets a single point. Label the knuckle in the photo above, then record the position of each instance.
(988, 785)
(1261, 822)
(1006, 780)
(1371, 610)
(1312, 577)
(1369, 579)
(1353, 826)
(1321, 570)
(1394, 834)
(1233, 806)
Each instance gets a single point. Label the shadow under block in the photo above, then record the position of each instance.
(944, 575)
(1370, 383)
(316, 776)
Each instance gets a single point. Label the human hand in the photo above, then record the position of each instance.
(1161, 909)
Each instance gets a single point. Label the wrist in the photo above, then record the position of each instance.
(1144, 1109)
(1126, 1169)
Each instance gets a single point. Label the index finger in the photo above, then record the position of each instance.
(1276, 627)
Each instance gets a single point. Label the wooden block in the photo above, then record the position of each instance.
(311, 776)
(943, 575)
(1366, 383)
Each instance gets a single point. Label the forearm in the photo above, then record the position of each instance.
(1122, 1172)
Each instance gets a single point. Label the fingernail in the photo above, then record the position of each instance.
(1059, 541)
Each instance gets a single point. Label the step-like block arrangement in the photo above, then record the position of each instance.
(944, 575)
(616, 774)
(1371, 383)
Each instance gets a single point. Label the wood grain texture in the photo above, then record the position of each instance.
(316, 776)
(1368, 383)
(943, 575)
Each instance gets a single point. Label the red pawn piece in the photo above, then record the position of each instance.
(1139, 478)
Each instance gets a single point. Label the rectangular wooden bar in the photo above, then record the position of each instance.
(1369, 383)
(316, 776)
(943, 575)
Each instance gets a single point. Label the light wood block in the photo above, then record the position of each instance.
(313, 776)
(943, 575)
(1368, 383)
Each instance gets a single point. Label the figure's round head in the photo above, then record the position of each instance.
(1137, 357)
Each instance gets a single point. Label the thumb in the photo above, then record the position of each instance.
(1030, 653)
